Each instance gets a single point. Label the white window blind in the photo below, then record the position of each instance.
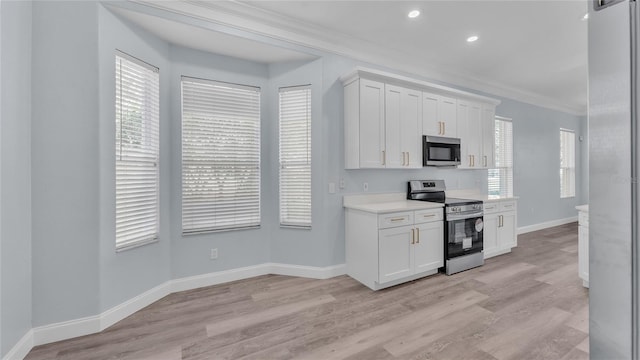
(567, 163)
(295, 156)
(220, 156)
(137, 152)
(501, 177)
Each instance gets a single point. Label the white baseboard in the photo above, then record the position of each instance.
(220, 277)
(22, 348)
(92, 324)
(544, 225)
(308, 271)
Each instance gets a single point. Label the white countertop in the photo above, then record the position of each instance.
(386, 203)
(397, 202)
(584, 208)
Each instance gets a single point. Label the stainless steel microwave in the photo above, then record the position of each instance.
(440, 151)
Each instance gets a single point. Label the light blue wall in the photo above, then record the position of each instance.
(536, 142)
(299, 246)
(150, 264)
(15, 170)
(65, 161)
(190, 254)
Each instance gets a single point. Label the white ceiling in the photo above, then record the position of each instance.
(533, 51)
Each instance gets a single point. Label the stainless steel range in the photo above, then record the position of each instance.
(463, 225)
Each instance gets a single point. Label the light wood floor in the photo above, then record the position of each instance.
(528, 304)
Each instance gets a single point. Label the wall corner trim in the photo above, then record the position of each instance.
(547, 224)
(93, 324)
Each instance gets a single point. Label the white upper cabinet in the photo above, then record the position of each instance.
(411, 128)
(386, 115)
(438, 115)
(364, 124)
(488, 136)
(403, 110)
(469, 125)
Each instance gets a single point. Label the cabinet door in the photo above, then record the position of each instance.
(411, 128)
(438, 115)
(490, 234)
(372, 124)
(468, 124)
(394, 253)
(474, 138)
(488, 136)
(507, 231)
(431, 123)
(428, 250)
(393, 115)
(447, 113)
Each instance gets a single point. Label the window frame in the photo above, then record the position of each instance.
(502, 171)
(288, 215)
(570, 168)
(191, 223)
(140, 158)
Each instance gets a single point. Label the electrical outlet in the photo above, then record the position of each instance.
(365, 186)
(342, 184)
(214, 254)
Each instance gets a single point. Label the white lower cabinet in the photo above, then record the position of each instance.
(499, 235)
(383, 250)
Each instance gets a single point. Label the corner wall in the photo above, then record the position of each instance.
(15, 173)
(65, 161)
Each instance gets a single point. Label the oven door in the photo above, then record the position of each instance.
(464, 236)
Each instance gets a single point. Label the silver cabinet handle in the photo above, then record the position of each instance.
(485, 161)
(444, 127)
(413, 239)
(384, 157)
(408, 159)
(418, 231)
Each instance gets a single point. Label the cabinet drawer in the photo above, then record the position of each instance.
(583, 218)
(508, 206)
(491, 208)
(395, 219)
(425, 216)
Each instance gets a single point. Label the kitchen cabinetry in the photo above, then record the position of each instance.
(385, 116)
(381, 126)
(469, 131)
(383, 250)
(583, 244)
(403, 111)
(500, 221)
(488, 136)
(439, 115)
(365, 130)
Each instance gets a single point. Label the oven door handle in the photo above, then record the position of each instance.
(452, 217)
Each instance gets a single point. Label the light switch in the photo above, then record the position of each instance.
(332, 188)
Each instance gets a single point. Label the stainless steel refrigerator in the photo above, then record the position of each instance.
(614, 164)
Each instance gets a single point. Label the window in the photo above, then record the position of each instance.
(220, 156)
(567, 163)
(295, 156)
(501, 177)
(137, 152)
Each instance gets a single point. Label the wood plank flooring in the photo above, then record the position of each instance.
(529, 304)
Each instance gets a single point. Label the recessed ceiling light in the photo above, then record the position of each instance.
(586, 16)
(472, 38)
(414, 14)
